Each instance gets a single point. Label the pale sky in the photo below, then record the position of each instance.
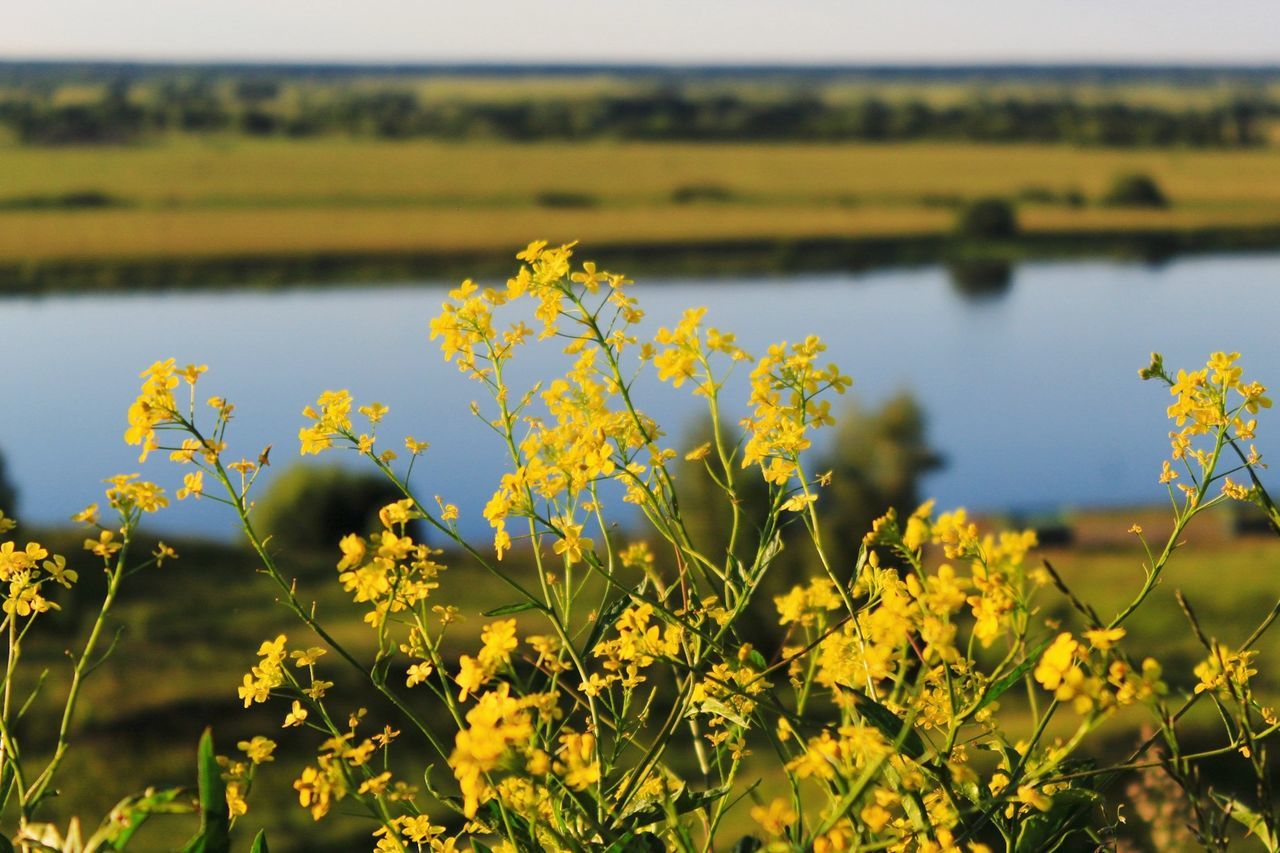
(657, 31)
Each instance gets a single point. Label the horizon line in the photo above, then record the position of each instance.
(877, 65)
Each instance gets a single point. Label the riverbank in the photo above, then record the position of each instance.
(710, 258)
(191, 213)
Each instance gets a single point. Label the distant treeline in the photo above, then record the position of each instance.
(126, 111)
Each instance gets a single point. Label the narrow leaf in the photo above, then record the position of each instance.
(215, 823)
(996, 690)
(1255, 823)
(508, 609)
(889, 724)
(130, 813)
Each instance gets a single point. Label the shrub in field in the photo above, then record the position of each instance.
(987, 219)
(917, 700)
(311, 506)
(699, 193)
(1135, 190)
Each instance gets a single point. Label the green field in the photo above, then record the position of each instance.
(228, 197)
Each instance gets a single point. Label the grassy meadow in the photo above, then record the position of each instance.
(229, 197)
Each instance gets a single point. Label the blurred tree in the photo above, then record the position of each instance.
(1135, 190)
(8, 493)
(876, 463)
(311, 507)
(987, 219)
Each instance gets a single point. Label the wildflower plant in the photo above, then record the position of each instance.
(920, 698)
(33, 580)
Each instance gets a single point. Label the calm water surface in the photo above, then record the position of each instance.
(1031, 393)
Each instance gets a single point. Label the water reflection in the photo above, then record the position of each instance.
(981, 279)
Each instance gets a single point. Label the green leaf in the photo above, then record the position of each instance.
(1045, 832)
(1255, 823)
(6, 846)
(747, 844)
(995, 691)
(719, 709)
(889, 724)
(380, 670)
(215, 822)
(518, 607)
(913, 805)
(260, 842)
(644, 811)
(130, 813)
(757, 660)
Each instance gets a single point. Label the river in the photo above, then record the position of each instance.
(1030, 386)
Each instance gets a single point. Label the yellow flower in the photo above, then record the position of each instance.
(308, 657)
(375, 412)
(192, 372)
(499, 641)
(297, 715)
(154, 406)
(580, 769)
(797, 503)
(1033, 797)
(258, 750)
(88, 515)
(318, 688)
(572, 543)
(104, 546)
(448, 511)
(319, 787)
(875, 816)
(776, 817)
(192, 485)
(1234, 491)
(1056, 661)
(163, 552)
(702, 451)
(472, 675)
(1104, 638)
(58, 571)
(417, 673)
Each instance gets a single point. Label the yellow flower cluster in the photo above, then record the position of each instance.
(686, 352)
(267, 674)
(1225, 670)
(1066, 670)
(498, 642)
(127, 493)
(1214, 402)
(333, 418)
(155, 405)
(26, 571)
(387, 570)
(808, 606)
(498, 724)
(638, 644)
(785, 386)
(625, 718)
